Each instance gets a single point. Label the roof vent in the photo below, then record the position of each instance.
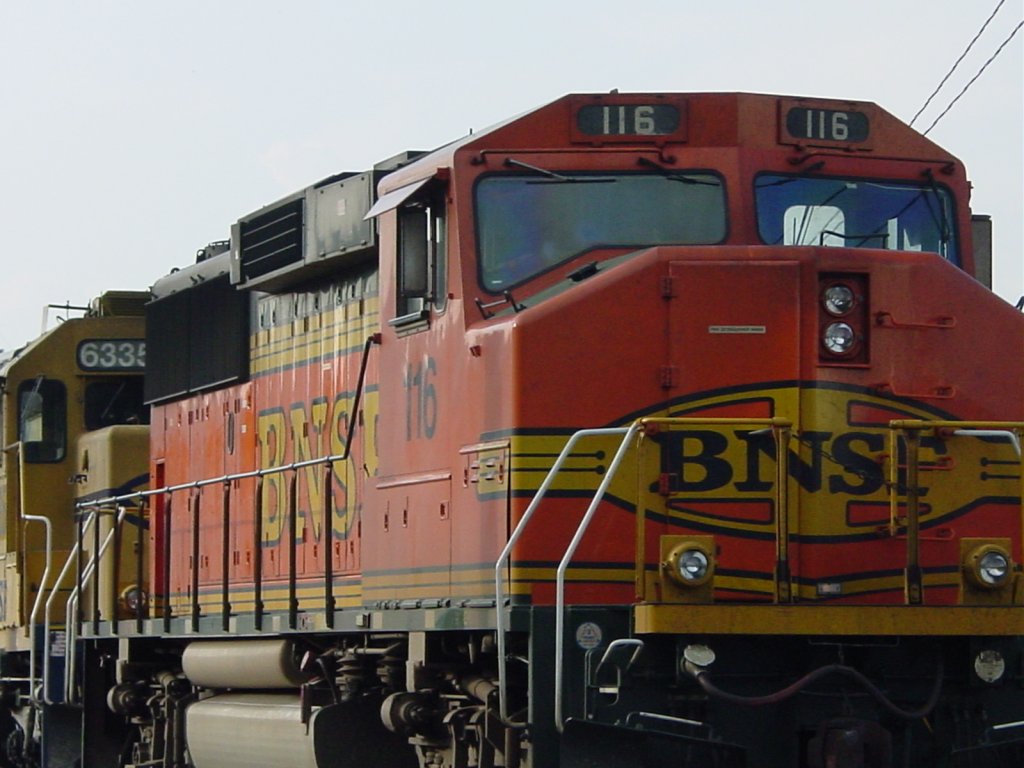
(119, 304)
(318, 228)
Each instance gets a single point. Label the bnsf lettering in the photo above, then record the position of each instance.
(273, 443)
(307, 427)
(311, 430)
(703, 460)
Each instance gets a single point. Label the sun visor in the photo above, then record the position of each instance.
(396, 197)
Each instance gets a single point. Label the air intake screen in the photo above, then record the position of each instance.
(196, 339)
(272, 240)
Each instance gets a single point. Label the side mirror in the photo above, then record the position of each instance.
(981, 234)
(414, 253)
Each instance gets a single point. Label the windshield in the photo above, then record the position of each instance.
(527, 224)
(852, 213)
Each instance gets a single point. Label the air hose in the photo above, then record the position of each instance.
(701, 675)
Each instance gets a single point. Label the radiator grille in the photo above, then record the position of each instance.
(272, 240)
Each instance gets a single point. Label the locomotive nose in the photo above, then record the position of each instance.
(732, 322)
(734, 352)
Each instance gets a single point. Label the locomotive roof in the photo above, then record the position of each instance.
(186, 277)
(109, 304)
(575, 122)
(719, 119)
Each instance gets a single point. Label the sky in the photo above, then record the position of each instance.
(134, 133)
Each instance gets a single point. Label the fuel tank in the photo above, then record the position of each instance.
(249, 730)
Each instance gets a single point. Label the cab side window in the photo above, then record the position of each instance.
(114, 400)
(42, 420)
(422, 242)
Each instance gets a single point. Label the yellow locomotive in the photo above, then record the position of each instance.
(74, 427)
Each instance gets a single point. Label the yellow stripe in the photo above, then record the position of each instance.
(270, 342)
(764, 585)
(882, 584)
(605, 575)
(345, 594)
(426, 577)
(283, 345)
(851, 620)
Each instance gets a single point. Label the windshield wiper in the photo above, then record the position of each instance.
(781, 182)
(557, 177)
(940, 219)
(673, 176)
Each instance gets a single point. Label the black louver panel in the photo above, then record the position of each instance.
(272, 240)
(196, 340)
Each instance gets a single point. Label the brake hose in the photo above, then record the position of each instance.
(702, 677)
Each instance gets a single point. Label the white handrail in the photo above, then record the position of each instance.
(629, 434)
(39, 599)
(1008, 433)
(72, 556)
(71, 643)
(563, 566)
(506, 553)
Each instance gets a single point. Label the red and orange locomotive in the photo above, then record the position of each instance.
(640, 429)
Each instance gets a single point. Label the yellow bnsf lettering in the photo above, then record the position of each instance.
(270, 427)
(338, 418)
(311, 431)
(308, 426)
(338, 435)
(847, 463)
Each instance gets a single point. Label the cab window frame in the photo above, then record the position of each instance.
(945, 218)
(681, 176)
(114, 401)
(421, 258)
(47, 399)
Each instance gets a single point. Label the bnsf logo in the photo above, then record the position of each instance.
(307, 431)
(850, 463)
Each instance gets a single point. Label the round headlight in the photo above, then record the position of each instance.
(692, 565)
(689, 564)
(134, 598)
(839, 338)
(988, 566)
(993, 568)
(838, 299)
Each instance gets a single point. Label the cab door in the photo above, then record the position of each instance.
(408, 529)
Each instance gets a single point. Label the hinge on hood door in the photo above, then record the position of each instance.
(668, 376)
(668, 287)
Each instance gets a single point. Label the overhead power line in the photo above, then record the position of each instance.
(971, 81)
(956, 63)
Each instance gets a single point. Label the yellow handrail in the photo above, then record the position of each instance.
(910, 430)
(781, 429)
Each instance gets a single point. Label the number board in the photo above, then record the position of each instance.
(824, 125)
(112, 355)
(632, 118)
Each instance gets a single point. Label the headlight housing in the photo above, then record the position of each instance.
(843, 319)
(689, 564)
(994, 568)
(838, 299)
(988, 566)
(839, 338)
(134, 599)
(693, 565)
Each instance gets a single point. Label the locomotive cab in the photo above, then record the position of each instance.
(789, 307)
(64, 396)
